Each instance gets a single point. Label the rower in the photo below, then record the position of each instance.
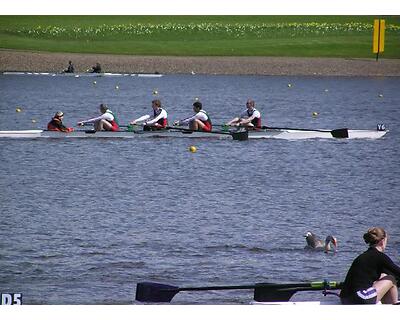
(159, 121)
(96, 68)
(107, 121)
(56, 123)
(250, 118)
(70, 68)
(200, 121)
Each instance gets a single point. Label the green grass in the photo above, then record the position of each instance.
(301, 36)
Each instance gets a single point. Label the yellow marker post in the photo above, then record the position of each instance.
(378, 37)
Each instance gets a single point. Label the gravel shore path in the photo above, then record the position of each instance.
(55, 62)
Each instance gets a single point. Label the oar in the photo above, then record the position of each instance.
(283, 292)
(336, 133)
(158, 292)
(238, 135)
(129, 127)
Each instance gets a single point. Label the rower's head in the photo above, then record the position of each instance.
(376, 236)
(59, 114)
(103, 108)
(250, 104)
(197, 106)
(155, 104)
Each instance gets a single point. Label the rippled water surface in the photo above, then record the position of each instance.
(82, 221)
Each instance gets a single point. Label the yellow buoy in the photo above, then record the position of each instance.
(192, 149)
(315, 114)
(18, 109)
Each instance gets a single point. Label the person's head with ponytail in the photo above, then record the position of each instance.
(374, 236)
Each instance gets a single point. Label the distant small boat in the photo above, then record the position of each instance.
(149, 75)
(85, 74)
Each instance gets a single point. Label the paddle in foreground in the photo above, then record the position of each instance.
(263, 292)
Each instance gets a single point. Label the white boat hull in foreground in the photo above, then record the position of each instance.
(261, 134)
(297, 303)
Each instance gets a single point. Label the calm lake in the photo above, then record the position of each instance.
(83, 221)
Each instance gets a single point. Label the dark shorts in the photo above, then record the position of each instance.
(366, 296)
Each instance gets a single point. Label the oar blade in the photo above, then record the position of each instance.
(240, 135)
(272, 292)
(273, 295)
(340, 133)
(155, 292)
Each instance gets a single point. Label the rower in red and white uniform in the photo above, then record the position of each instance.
(159, 121)
(56, 123)
(199, 121)
(250, 117)
(106, 121)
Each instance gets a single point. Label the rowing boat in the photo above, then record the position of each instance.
(83, 74)
(291, 134)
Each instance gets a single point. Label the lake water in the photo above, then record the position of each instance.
(83, 221)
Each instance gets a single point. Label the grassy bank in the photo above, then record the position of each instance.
(292, 36)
